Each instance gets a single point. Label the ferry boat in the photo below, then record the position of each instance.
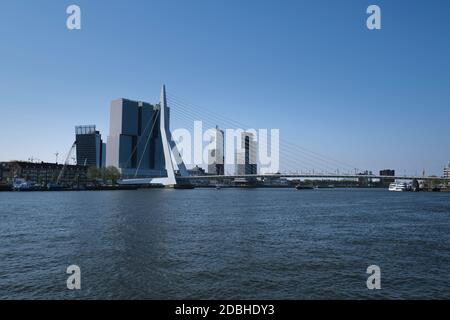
(398, 186)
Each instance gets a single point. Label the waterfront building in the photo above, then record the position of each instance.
(140, 143)
(216, 157)
(363, 181)
(197, 171)
(90, 147)
(279, 182)
(387, 172)
(103, 155)
(134, 142)
(4, 170)
(246, 157)
(43, 173)
(447, 171)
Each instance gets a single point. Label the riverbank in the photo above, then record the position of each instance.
(88, 188)
(190, 187)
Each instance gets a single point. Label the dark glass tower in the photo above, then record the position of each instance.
(89, 145)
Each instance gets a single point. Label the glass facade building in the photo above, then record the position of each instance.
(90, 147)
(246, 158)
(216, 157)
(134, 141)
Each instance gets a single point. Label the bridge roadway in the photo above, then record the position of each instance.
(310, 176)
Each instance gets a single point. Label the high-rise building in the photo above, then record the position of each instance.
(140, 143)
(447, 171)
(134, 142)
(216, 157)
(90, 147)
(246, 158)
(103, 155)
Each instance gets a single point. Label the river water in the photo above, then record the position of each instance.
(225, 244)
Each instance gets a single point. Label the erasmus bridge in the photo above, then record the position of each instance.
(296, 162)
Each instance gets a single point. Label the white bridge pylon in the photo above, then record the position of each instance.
(169, 148)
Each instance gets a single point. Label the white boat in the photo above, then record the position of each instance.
(398, 186)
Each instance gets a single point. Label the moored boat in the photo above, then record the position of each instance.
(300, 187)
(398, 186)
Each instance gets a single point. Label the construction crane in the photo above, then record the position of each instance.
(61, 173)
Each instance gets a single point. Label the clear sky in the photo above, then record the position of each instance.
(378, 99)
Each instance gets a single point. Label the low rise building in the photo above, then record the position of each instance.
(197, 171)
(387, 173)
(43, 173)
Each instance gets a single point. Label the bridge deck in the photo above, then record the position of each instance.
(312, 176)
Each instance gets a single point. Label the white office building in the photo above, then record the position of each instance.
(447, 171)
(216, 156)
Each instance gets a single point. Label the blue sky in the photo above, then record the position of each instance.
(377, 99)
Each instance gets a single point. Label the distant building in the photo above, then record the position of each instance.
(90, 147)
(4, 170)
(387, 172)
(43, 173)
(363, 181)
(134, 142)
(447, 171)
(246, 158)
(276, 182)
(103, 155)
(197, 171)
(216, 157)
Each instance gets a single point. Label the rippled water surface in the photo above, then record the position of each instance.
(226, 244)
